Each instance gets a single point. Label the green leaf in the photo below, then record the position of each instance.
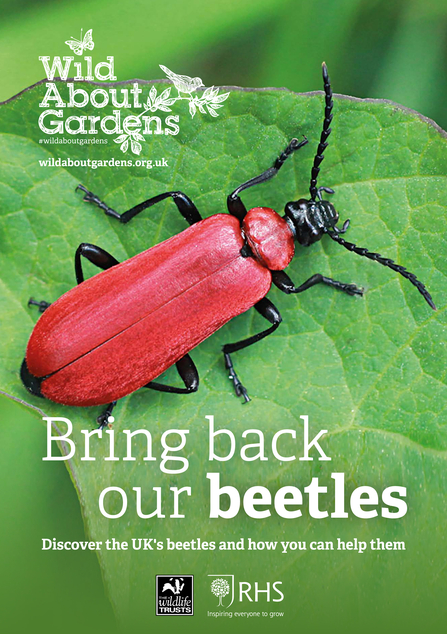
(369, 370)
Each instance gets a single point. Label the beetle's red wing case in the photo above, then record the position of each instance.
(122, 328)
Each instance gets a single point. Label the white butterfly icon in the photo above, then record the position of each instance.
(78, 46)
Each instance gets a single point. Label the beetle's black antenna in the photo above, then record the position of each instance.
(386, 262)
(324, 134)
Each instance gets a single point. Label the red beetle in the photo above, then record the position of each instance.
(119, 330)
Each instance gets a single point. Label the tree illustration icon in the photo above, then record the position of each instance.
(220, 588)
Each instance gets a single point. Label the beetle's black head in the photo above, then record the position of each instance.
(310, 219)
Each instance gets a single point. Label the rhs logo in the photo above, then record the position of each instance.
(130, 131)
(222, 586)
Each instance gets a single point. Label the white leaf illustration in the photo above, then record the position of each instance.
(136, 147)
(208, 92)
(124, 146)
(220, 98)
(165, 94)
(120, 138)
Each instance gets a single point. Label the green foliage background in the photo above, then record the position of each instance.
(387, 49)
(390, 50)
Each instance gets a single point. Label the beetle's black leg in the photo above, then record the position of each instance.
(238, 387)
(43, 305)
(97, 256)
(271, 313)
(343, 229)
(103, 419)
(189, 375)
(235, 205)
(184, 204)
(285, 284)
(328, 190)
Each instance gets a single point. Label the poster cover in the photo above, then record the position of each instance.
(288, 473)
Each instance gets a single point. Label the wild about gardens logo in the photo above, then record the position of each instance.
(129, 131)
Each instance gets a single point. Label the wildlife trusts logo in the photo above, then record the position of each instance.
(131, 131)
(175, 595)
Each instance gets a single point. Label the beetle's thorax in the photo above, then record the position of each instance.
(309, 219)
(269, 237)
